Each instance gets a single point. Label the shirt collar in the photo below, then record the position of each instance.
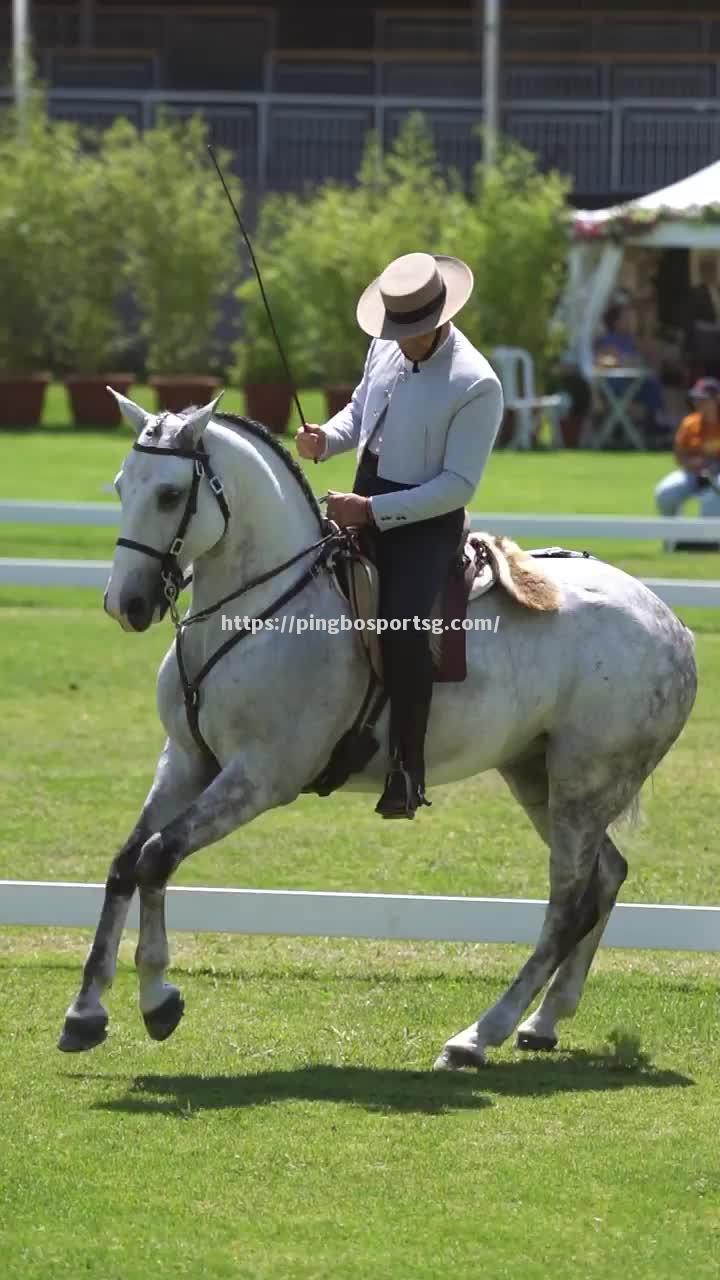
(408, 364)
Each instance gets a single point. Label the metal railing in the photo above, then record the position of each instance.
(289, 141)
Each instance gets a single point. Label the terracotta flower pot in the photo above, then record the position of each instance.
(22, 399)
(337, 396)
(91, 402)
(270, 404)
(176, 393)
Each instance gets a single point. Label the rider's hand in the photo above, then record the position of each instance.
(311, 442)
(348, 509)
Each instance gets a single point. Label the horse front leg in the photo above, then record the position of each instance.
(236, 796)
(177, 776)
(244, 789)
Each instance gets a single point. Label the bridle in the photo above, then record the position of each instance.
(173, 580)
(171, 575)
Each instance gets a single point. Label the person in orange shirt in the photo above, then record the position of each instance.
(697, 451)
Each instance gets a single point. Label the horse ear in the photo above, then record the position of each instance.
(136, 417)
(194, 425)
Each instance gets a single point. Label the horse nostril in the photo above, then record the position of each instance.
(138, 614)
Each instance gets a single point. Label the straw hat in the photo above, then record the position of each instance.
(415, 294)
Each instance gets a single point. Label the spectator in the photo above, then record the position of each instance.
(705, 296)
(618, 346)
(697, 451)
(703, 335)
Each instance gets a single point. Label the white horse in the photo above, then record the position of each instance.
(574, 707)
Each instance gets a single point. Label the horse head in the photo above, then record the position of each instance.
(173, 512)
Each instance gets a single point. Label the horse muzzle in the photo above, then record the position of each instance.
(139, 602)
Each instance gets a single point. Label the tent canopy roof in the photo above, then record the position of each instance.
(682, 214)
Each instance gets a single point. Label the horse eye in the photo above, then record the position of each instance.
(169, 498)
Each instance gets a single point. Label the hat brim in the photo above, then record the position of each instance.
(373, 319)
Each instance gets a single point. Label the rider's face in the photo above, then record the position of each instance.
(417, 348)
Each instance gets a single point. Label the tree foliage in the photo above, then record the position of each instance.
(322, 251)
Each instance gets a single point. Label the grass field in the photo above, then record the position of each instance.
(291, 1127)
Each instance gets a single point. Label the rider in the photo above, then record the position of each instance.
(423, 420)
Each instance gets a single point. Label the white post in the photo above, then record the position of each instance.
(21, 56)
(491, 79)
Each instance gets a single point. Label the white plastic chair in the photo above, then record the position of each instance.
(516, 371)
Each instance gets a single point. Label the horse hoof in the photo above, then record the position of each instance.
(161, 1022)
(530, 1042)
(79, 1034)
(455, 1057)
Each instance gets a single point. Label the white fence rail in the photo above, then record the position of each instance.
(676, 592)
(555, 528)
(359, 915)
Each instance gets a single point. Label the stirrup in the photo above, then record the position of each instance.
(402, 796)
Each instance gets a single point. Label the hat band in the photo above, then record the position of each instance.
(420, 313)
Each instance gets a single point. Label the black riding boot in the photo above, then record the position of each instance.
(405, 783)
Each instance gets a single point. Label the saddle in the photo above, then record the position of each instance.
(483, 562)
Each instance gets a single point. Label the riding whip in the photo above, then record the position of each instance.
(256, 268)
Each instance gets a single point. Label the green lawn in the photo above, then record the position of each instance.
(291, 1127)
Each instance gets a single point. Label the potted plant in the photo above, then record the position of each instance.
(259, 370)
(259, 367)
(32, 224)
(349, 236)
(182, 250)
(93, 333)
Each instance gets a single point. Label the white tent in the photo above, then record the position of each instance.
(674, 217)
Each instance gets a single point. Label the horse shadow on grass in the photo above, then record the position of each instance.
(379, 1090)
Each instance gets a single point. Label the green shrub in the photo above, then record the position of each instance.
(277, 245)
(514, 234)
(93, 336)
(38, 235)
(322, 251)
(181, 241)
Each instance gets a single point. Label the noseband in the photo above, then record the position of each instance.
(171, 574)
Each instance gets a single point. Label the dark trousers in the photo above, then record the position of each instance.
(413, 564)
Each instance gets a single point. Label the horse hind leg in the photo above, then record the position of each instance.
(561, 1000)
(529, 785)
(575, 824)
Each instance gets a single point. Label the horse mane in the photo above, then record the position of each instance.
(248, 425)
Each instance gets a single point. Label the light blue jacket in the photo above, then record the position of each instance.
(437, 434)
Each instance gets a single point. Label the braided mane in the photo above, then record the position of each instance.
(239, 424)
